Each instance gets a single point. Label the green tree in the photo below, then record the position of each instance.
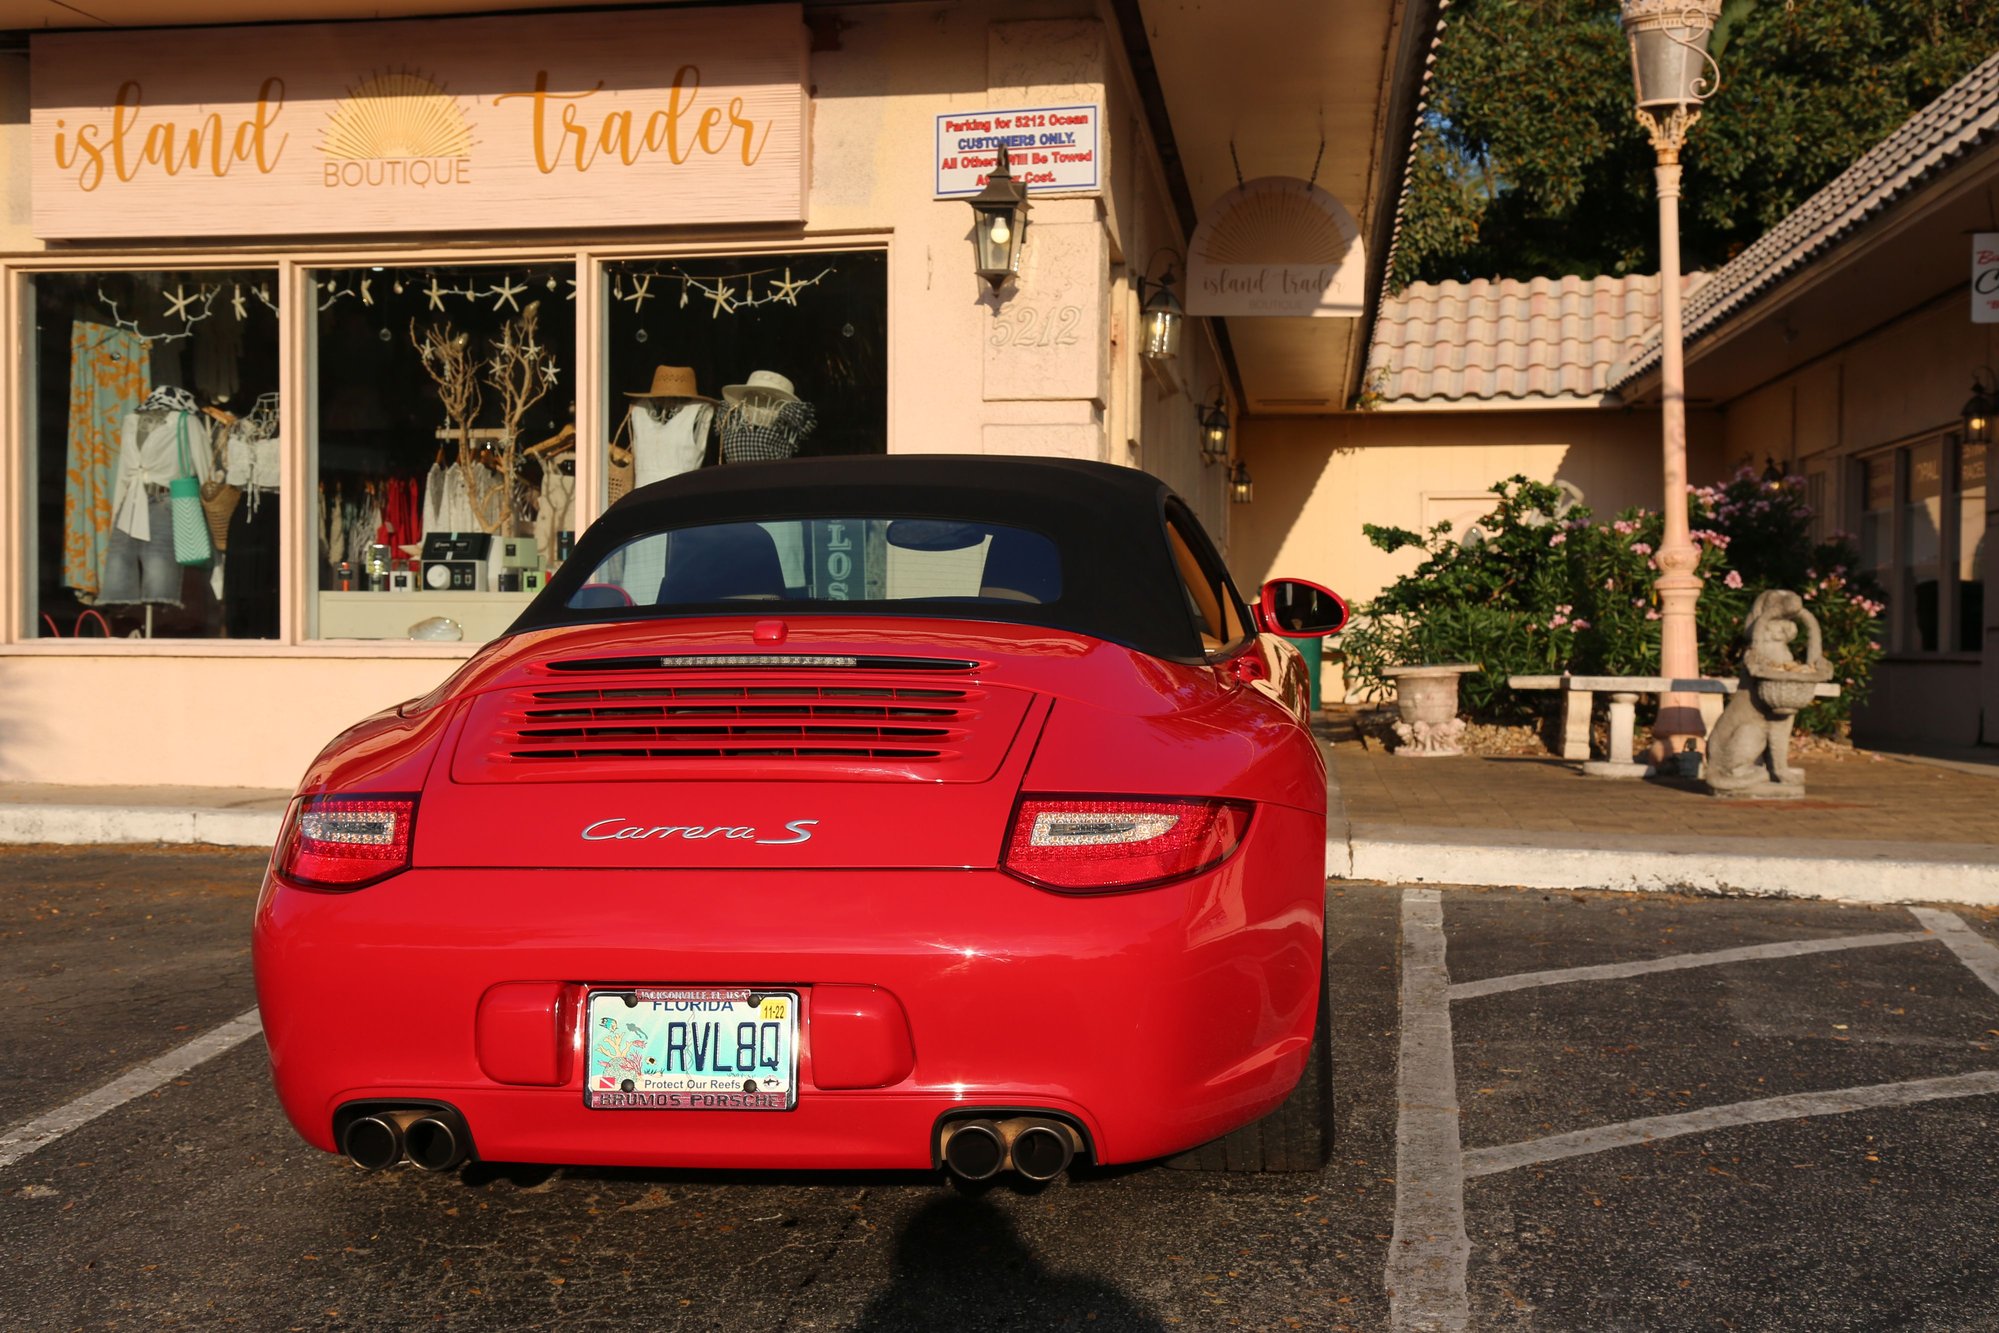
(1530, 160)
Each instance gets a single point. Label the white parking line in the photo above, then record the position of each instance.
(1603, 1138)
(1972, 949)
(1426, 1258)
(18, 1143)
(1465, 990)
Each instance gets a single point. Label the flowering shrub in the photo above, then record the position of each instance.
(1540, 587)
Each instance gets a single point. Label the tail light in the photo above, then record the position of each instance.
(1108, 844)
(346, 842)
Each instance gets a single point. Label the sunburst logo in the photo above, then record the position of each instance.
(397, 128)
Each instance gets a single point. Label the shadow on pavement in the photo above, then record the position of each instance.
(960, 1264)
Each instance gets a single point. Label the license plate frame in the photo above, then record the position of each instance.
(616, 1045)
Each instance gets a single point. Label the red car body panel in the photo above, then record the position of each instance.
(931, 980)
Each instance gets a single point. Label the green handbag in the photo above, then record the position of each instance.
(191, 541)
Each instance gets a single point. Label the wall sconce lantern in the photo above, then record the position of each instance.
(1242, 487)
(999, 214)
(1980, 409)
(1215, 432)
(1160, 318)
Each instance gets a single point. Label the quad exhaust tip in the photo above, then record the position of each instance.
(1038, 1148)
(435, 1140)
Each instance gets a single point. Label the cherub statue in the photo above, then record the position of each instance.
(1748, 753)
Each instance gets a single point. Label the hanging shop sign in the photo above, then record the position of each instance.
(512, 123)
(1985, 277)
(1052, 148)
(1276, 246)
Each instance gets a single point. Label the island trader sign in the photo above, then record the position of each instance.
(1276, 246)
(492, 124)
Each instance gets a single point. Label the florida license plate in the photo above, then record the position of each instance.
(692, 1048)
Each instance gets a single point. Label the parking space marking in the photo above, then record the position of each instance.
(1465, 990)
(44, 1130)
(1972, 949)
(1603, 1138)
(1428, 1254)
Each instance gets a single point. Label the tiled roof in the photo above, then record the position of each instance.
(1965, 117)
(1548, 339)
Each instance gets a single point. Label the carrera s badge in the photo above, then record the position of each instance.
(624, 830)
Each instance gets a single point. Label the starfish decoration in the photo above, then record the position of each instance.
(572, 288)
(367, 297)
(683, 293)
(507, 290)
(531, 350)
(236, 303)
(435, 293)
(721, 297)
(179, 301)
(787, 291)
(550, 373)
(641, 292)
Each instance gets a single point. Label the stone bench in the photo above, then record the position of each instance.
(1579, 703)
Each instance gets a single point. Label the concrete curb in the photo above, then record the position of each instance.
(79, 825)
(1862, 879)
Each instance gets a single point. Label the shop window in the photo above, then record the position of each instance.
(1968, 481)
(151, 421)
(1922, 537)
(745, 358)
(444, 446)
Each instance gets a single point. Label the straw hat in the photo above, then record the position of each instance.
(673, 382)
(766, 383)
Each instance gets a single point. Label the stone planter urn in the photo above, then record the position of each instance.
(1749, 751)
(1427, 699)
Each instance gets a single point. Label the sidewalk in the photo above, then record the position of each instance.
(1871, 828)
(218, 816)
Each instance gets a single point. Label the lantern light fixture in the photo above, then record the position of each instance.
(1160, 316)
(1214, 431)
(1981, 408)
(999, 220)
(1242, 487)
(1670, 65)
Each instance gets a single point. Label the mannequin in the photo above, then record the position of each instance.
(764, 420)
(140, 567)
(671, 422)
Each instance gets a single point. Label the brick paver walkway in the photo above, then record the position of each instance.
(1858, 798)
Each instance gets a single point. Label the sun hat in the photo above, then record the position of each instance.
(767, 382)
(673, 382)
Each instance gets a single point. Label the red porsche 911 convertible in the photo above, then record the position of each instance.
(866, 812)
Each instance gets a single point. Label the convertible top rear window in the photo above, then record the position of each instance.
(1061, 543)
(824, 561)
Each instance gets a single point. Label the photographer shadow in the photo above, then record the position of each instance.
(959, 1263)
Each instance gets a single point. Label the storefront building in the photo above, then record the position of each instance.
(375, 283)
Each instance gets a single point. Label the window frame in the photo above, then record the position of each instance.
(293, 265)
(1900, 636)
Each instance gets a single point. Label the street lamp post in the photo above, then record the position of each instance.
(1674, 75)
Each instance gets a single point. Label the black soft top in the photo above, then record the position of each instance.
(1118, 578)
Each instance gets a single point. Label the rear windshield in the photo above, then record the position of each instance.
(826, 560)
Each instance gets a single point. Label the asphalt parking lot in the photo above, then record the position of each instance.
(1741, 1115)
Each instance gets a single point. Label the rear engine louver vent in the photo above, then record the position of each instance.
(696, 722)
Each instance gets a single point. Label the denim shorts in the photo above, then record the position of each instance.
(137, 571)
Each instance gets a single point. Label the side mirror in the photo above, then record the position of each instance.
(1298, 609)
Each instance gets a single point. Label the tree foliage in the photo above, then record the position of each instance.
(1531, 162)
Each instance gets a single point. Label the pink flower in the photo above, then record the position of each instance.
(1556, 622)
(1651, 613)
(1609, 584)
(1641, 548)
(1581, 624)
(1734, 580)
(1558, 539)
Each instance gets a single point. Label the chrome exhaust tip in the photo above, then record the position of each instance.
(1042, 1149)
(437, 1141)
(374, 1142)
(973, 1149)
(1037, 1147)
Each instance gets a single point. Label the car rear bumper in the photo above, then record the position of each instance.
(1156, 1020)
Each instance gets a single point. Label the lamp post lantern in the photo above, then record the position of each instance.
(999, 214)
(1980, 408)
(1674, 75)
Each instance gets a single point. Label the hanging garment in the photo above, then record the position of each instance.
(760, 432)
(555, 511)
(108, 370)
(670, 442)
(251, 609)
(155, 447)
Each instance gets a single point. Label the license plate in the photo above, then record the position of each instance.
(692, 1048)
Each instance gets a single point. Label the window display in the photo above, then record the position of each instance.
(153, 432)
(742, 359)
(446, 446)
